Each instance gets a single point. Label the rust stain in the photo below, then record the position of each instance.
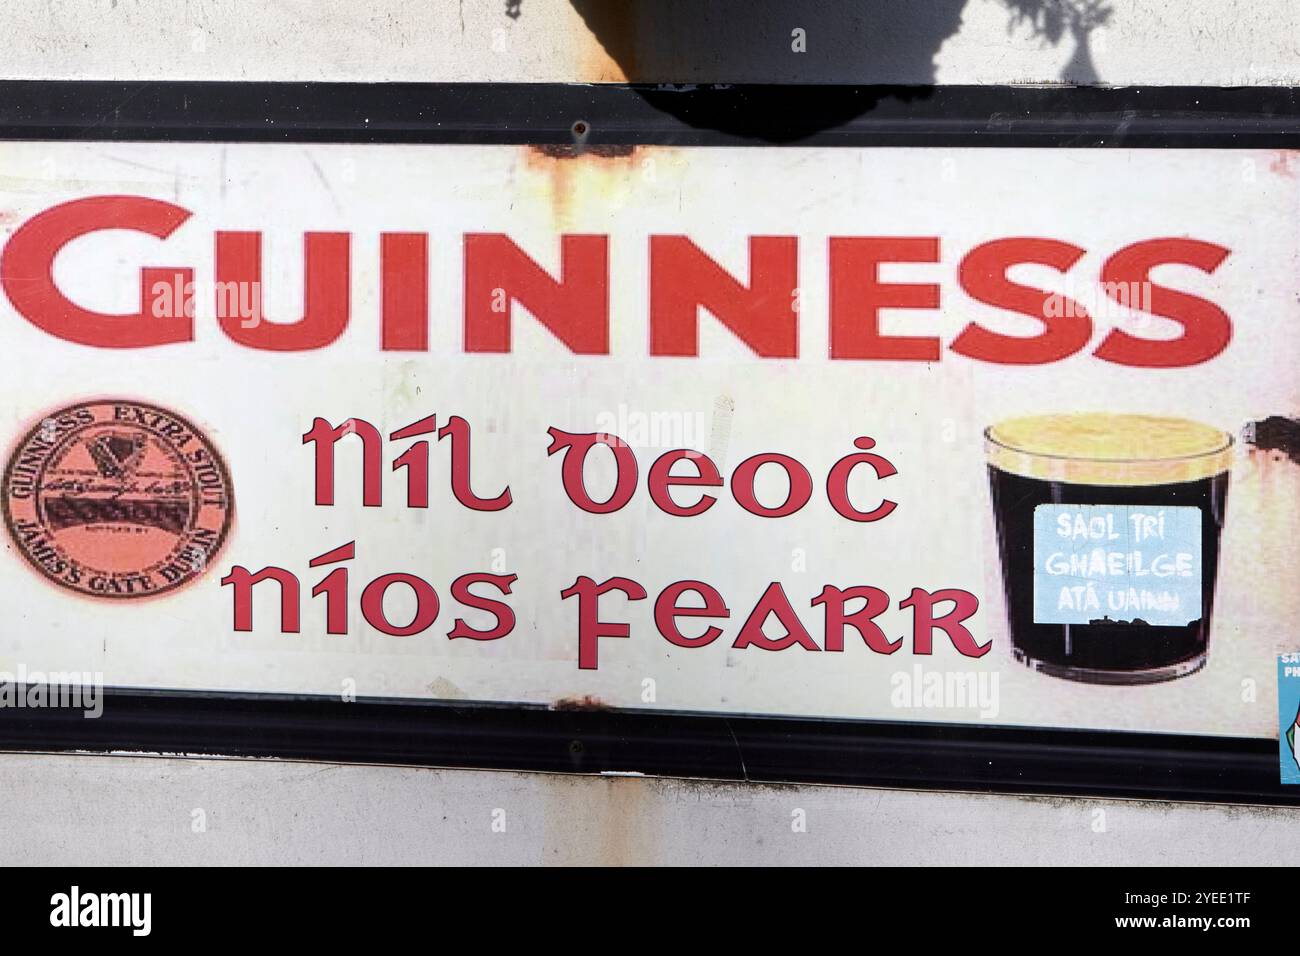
(1277, 436)
(580, 702)
(578, 177)
(573, 151)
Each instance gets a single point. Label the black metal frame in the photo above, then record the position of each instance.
(720, 747)
(1055, 116)
(524, 737)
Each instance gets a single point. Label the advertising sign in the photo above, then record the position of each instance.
(1001, 437)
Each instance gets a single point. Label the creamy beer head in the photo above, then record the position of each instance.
(1099, 448)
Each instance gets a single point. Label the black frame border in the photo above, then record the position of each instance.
(640, 114)
(909, 755)
(530, 737)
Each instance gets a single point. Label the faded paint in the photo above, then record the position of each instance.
(717, 197)
(1286, 162)
(263, 811)
(443, 689)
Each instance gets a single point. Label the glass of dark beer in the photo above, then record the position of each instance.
(1108, 528)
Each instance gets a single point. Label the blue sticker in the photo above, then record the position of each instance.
(1288, 708)
(1123, 563)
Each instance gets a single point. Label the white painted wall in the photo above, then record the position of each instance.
(64, 810)
(1152, 42)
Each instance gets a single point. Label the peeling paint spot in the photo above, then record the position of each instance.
(444, 689)
(402, 389)
(724, 409)
(581, 702)
(1279, 434)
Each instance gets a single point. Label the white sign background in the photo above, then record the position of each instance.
(926, 418)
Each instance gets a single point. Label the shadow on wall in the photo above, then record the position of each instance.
(1051, 19)
(865, 42)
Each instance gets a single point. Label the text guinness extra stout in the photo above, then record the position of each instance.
(1108, 527)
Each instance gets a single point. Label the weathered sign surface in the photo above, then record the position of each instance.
(855, 433)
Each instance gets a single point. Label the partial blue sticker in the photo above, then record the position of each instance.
(1288, 708)
(1117, 563)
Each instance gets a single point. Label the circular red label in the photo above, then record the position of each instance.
(117, 499)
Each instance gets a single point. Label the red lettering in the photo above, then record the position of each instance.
(590, 627)
(837, 482)
(983, 274)
(27, 273)
(667, 611)
(661, 479)
(458, 430)
(335, 587)
(862, 620)
(415, 460)
(324, 436)
(1207, 329)
(775, 602)
(327, 293)
(460, 591)
(576, 448)
(426, 604)
(742, 485)
(404, 279)
(924, 622)
(575, 309)
(762, 314)
(858, 295)
(242, 580)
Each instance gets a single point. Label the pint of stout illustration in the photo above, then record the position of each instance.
(1108, 527)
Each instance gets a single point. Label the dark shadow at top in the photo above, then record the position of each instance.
(852, 46)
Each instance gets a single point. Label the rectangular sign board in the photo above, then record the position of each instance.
(992, 437)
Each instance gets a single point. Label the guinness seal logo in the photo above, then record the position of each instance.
(117, 499)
